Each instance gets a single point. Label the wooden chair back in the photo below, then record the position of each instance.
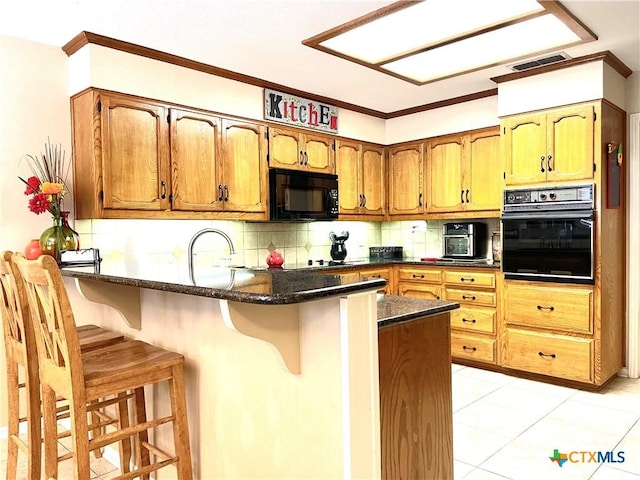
(15, 314)
(58, 346)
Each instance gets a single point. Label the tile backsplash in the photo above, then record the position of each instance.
(167, 241)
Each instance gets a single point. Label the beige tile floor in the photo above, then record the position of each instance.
(507, 428)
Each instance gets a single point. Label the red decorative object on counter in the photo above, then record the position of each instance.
(32, 250)
(275, 260)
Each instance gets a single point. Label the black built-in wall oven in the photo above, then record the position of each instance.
(548, 234)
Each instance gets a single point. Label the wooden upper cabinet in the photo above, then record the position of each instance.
(406, 164)
(483, 173)
(218, 164)
(361, 179)
(299, 150)
(446, 163)
(373, 179)
(570, 143)
(348, 165)
(464, 172)
(555, 145)
(244, 166)
(135, 158)
(195, 159)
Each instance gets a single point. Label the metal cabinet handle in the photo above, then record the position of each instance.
(226, 193)
(549, 355)
(467, 195)
(542, 163)
(462, 279)
(364, 200)
(220, 193)
(549, 169)
(467, 320)
(306, 158)
(420, 200)
(472, 349)
(301, 157)
(461, 196)
(163, 189)
(540, 307)
(468, 297)
(417, 276)
(376, 276)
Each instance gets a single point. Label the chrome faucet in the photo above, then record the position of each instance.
(193, 241)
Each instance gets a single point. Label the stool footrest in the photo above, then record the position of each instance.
(20, 443)
(156, 451)
(113, 437)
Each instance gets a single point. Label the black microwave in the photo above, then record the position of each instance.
(300, 195)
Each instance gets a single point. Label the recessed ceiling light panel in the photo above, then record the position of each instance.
(492, 48)
(424, 41)
(426, 23)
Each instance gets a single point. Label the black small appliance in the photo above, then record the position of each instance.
(464, 240)
(338, 250)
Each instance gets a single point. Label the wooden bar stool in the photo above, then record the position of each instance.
(21, 354)
(105, 372)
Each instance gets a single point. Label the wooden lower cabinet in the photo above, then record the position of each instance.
(416, 415)
(548, 354)
(473, 347)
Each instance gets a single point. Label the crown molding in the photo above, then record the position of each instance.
(606, 56)
(85, 38)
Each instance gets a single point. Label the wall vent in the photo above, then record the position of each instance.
(555, 58)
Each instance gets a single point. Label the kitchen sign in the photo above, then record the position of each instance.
(299, 112)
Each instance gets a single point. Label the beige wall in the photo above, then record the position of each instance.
(34, 105)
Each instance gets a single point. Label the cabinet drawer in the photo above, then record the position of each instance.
(420, 275)
(473, 347)
(563, 357)
(474, 279)
(471, 297)
(474, 319)
(417, 290)
(558, 308)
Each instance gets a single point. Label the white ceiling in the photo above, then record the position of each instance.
(262, 38)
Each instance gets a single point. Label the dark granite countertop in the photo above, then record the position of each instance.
(268, 286)
(393, 309)
(358, 263)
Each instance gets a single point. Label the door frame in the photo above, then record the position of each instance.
(633, 249)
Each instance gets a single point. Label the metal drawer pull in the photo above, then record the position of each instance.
(375, 276)
(466, 320)
(549, 168)
(462, 279)
(540, 307)
(468, 297)
(417, 276)
(542, 163)
(163, 186)
(221, 197)
(472, 349)
(550, 355)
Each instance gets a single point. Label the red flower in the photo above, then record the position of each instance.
(39, 203)
(33, 183)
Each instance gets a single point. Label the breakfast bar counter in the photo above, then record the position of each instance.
(281, 367)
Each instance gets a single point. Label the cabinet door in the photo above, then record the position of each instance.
(416, 290)
(445, 157)
(195, 152)
(135, 158)
(285, 149)
(483, 171)
(244, 166)
(372, 172)
(405, 179)
(570, 143)
(348, 170)
(524, 149)
(319, 153)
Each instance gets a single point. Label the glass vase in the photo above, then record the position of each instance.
(59, 237)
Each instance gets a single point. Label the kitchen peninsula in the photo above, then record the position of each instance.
(310, 408)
